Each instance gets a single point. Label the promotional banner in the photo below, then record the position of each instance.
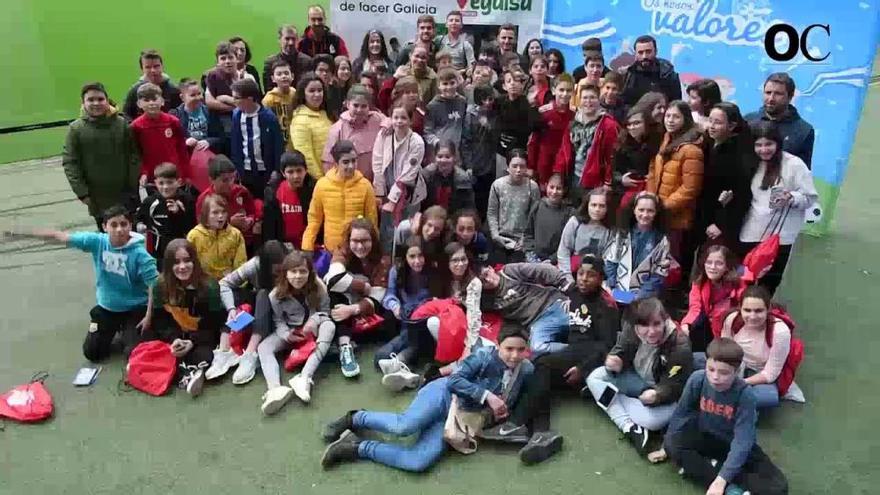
(827, 48)
(397, 18)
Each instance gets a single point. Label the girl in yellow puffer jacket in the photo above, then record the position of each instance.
(220, 246)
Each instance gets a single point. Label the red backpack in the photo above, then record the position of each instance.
(151, 367)
(27, 403)
(795, 352)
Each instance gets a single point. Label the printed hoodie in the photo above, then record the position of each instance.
(123, 274)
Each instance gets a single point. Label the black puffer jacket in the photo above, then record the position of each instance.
(658, 76)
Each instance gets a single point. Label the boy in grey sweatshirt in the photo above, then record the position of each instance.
(546, 222)
(445, 116)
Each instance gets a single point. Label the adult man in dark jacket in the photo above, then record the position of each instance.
(318, 38)
(797, 134)
(649, 73)
(300, 63)
(152, 68)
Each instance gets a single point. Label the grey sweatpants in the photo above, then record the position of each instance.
(274, 344)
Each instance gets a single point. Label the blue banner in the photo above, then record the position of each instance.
(725, 40)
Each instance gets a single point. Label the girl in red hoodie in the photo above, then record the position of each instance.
(715, 290)
(544, 144)
(588, 147)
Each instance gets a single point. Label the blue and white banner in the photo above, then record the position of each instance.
(724, 40)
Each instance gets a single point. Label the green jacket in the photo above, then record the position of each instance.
(101, 160)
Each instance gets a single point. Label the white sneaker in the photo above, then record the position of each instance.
(390, 365)
(223, 360)
(401, 379)
(302, 387)
(247, 368)
(196, 382)
(274, 399)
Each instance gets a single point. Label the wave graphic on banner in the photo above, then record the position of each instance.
(577, 34)
(857, 77)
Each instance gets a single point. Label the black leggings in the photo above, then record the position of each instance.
(105, 325)
(693, 450)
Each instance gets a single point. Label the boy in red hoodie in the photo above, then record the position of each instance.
(544, 144)
(588, 146)
(241, 207)
(159, 135)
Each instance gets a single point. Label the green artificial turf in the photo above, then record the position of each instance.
(53, 47)
(103, 441)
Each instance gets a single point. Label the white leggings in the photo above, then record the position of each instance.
(273, 344)
(623, 409)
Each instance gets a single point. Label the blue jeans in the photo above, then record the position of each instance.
(548, 330)
(426, 416)
(626, 407)
(393, 346)
(766, 394)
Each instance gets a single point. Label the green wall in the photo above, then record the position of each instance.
(52, 47)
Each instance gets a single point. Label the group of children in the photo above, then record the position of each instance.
(361, 197)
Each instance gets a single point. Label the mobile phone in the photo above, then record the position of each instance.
(607, 396)
(777, 193)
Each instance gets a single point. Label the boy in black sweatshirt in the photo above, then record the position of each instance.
(593, 325)
(167, 214)
(516, 118)
(712, 432)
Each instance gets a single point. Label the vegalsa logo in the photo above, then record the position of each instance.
(486, 7)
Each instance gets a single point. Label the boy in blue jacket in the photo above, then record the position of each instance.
(255, 142)
(712, 432)
(489, 380)
(125, 273)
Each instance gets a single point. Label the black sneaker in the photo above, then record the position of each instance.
(638, 436)
(332, 431)
(542, 446)
(343, 450)
(430, 373)
(506, 432)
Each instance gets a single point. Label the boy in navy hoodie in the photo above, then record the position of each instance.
(712, 433)
(256, 143)
(125, 273)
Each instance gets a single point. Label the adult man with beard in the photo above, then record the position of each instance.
(650, 73)
(427, 28)
(318, 39)
(797, 133)
(299, 62)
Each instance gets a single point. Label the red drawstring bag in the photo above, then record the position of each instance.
(151, 367)
(27, 403)
(453, 327)
(760, 259)
(300, 353)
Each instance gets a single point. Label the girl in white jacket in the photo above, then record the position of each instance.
(782, 190)
(300, 306)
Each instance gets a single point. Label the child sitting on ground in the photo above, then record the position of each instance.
(644, 373)
(287, 207)
(511, 199)
(126, 275)
(220, 246)
(248, 284)
(280, 99)
(712, 433)
(409, 282)
(715, 290)
(546, 222)
(300, 311)
(188, 313)
(159, 135)
(167, 214)
(466, 230)
(490, 379)
(255, 144)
